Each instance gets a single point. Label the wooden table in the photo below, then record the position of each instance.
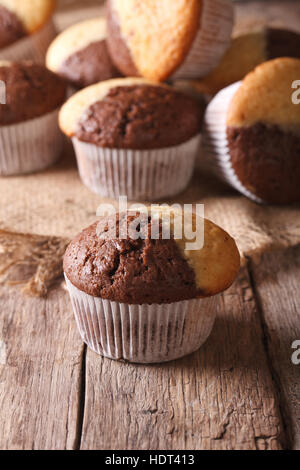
(240, 391)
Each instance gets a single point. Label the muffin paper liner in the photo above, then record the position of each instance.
(32, 47)
(212, 40)
(142, 333)
(137, 174)
(30, 146)
(215, 155)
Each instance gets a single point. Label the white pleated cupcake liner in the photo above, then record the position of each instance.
(215, 156)
(30, 146)
(138, 174)
(212, 40)
(32, 47)
(142, 333)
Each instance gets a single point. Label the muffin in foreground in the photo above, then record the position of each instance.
(252, 134)
(26, 29)
(30, 139)
(247, 52)
(147, 299)
(133, 137)
(80, 55)
(156, 39)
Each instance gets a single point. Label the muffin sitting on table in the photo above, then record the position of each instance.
(26, 29)
(80, 55)
(133, 137)
(252, 133)
(247, 52)
(157, 39)
(30, 139)
(144, 299)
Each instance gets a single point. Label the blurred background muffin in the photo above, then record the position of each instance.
(252, 133)
(26, 29)
(159, 38)
(133, 137)
(80, 56)
(30, 139)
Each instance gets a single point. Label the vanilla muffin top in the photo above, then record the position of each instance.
(247, 52)
(147, 269)
(79, 54)
(265, 96)
(158, 34)
(32, 14)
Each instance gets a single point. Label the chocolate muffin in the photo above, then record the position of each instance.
(158, 287)
(29, 136)
(26, 29)
(247, 52)
(133, 137)
(80, 55)
(252, 133)
(158, 38)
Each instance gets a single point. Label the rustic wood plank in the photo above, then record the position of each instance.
(221, 397)
(276, 280)
(40, 368)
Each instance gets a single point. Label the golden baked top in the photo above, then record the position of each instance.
(33, 13)
(217, 262)
(265, 95)
(73, 39)
(244, 54)
(157, 33)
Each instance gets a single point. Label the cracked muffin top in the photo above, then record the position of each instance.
(150, 268)
(19, 18)
(31, 91)
(80, 55)
(133, 114)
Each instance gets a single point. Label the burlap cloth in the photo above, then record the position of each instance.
(55, 203)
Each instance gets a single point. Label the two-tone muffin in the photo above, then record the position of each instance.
(80, 56)
(148, 298)
(156, 39)
(30, 139)
(247, 52)
(26, 29)
(252, 133)
(133, 137)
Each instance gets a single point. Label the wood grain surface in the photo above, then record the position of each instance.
(240, 391)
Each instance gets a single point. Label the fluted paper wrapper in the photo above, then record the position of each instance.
(212, 40)
(214, 156)
(138, 174)
(142, 333)
(32, 47)
(30, 146)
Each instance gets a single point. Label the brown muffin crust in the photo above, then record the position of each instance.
(141, 117)
(266, 160)
(117, 46)
(89, 65)
(31, 91)
(11, 27)
(129, 271)
(282, 43)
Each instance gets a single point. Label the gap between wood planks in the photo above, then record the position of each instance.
(274, 375)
